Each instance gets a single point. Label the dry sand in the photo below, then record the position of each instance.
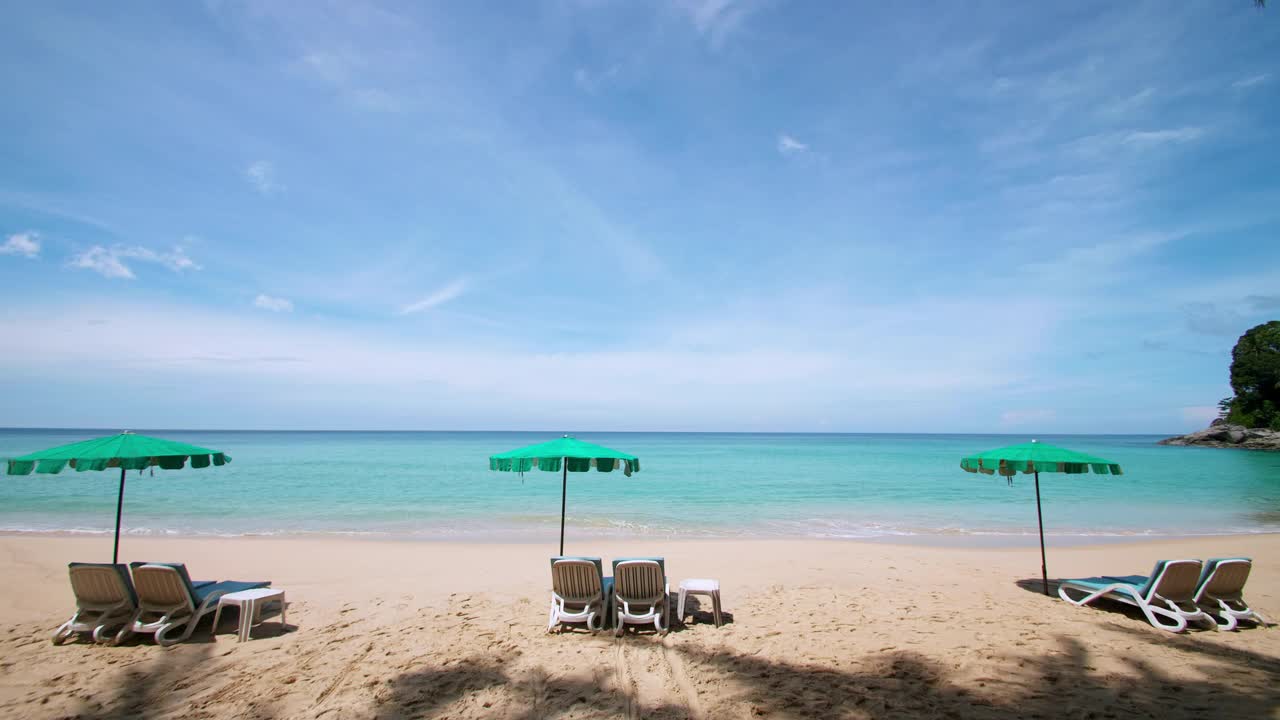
(818, 629)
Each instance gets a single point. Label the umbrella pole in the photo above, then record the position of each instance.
(1044, 571)
(115, 551)
(564, 489)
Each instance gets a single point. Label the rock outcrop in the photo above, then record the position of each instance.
(1223, 434)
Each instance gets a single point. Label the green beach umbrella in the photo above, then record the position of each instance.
(1037, 457)
(566, 455)
(126, 451)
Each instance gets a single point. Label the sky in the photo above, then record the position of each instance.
(679, 215)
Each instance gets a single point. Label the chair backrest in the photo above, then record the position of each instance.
(577, 579)
(1224, 578)
(641, 580)
(101, 584)
(162, 584)
(1174, 580)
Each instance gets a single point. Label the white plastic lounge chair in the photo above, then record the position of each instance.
(168, 601)
(1221, 592)
(1166, 593)
(640, 594)
(579, 592)
(104, 599)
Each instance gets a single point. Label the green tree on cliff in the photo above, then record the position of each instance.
(1255, 378)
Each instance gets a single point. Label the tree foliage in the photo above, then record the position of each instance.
(1255, 378)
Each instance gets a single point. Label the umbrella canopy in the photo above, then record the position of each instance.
(1037, 457)
(127, 451)
(566, 454)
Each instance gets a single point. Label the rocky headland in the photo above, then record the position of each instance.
(1223, 434)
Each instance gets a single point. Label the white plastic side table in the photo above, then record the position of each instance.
(701, 586)
(250, 603)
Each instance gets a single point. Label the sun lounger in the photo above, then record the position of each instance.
(1166, 593)
(104, 599)
(640, 594)
(168, 601)
(579, 592)
(1221, 592)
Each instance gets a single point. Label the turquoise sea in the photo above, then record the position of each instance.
(437, 486)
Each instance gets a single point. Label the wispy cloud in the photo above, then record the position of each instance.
(1251, 82)
(1148, 138)
(110, 262)
(1129, 104)
(348, 73)
(274, 304)
(26, 244)
(718, 19)
(788, 145)
(1212, 319)
(262, 175)
(441, 296)
(1085, 261)
(1264, 302)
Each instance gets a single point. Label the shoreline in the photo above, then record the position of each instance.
(974, 541)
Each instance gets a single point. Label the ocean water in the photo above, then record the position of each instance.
(437, 485)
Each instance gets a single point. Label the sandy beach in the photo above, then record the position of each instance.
(817, 629)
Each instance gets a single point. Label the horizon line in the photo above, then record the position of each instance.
(572, 432)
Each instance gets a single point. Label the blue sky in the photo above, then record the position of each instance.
(701, 215)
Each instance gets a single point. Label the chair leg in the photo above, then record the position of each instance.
(680, 606)
(715, 606)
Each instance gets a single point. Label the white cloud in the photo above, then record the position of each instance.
(25, 244)
(102, 261)
(274, 304)
(779, 372)
(109, 262)
(788, 145)
(1147, 138)
(437, 298)
(1251, 81)
(262, 175)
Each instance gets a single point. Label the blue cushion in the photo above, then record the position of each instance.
(227, 586)
(1134, 580)
(1097, 583)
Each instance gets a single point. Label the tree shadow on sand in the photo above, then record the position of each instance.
(1060, 683)
(495, 691)
(154, 688)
